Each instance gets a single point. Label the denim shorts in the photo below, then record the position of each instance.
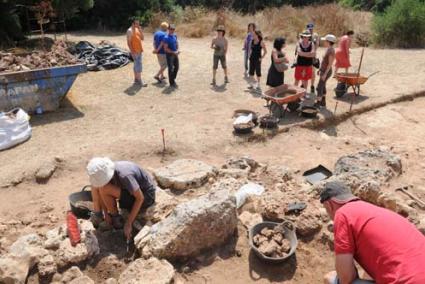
(138, 67)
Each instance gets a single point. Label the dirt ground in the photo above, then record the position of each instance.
(104, 115)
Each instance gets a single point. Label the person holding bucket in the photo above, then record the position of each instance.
(279, 64)
(124, 181)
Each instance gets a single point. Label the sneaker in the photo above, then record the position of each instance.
(174, 85)
(251, 87)
(96, 218)
(117, 221)
(158, 79)
(226, 80)
(140, 83)
(213, 83)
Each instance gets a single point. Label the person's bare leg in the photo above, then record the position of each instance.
(109, 194)
(161, 73)
(97, 205)
(226, 78)
(313, 79)
(296, 82)
(258, 82)
(304, 84)
(252, 81)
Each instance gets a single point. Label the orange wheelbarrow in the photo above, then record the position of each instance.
(352, 80)
(282, 98)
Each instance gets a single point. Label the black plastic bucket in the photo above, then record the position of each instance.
(289, 232)
(83, 195)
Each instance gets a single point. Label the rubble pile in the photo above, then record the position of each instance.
(57, 56)
(49, 253)
(272, 243)
(181, 226)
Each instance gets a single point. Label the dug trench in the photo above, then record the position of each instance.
(394, 126)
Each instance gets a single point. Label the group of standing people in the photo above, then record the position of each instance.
(305, 63)
(166, 47)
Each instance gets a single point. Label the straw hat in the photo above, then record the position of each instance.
(305, 34)
(100, 171)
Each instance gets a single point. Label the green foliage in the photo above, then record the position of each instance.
(69, 8)
(117, 14)
(368, 5)
(401, 25)
(10, 26)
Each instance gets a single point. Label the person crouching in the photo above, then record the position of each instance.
(124, 181)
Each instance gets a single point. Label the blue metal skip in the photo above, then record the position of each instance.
(41, 87)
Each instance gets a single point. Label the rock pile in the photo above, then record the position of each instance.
(272, 243)
(48, 252)
(57, 56)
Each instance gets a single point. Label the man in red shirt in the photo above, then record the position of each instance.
(383, 243)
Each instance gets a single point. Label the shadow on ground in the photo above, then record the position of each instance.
(133, 89)
(67, 111)
(272, 272)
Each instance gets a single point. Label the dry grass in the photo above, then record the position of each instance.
(284, 21)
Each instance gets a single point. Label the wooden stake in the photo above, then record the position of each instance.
(358, 76)
(163, 140)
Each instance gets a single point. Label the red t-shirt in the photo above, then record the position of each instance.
(388, 247)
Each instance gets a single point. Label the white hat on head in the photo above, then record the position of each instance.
(330, 38)
(100, 171)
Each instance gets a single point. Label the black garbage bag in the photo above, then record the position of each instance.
(101, 57)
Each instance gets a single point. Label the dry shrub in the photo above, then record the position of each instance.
(285, 21)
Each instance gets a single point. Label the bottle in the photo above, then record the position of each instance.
(38, 108)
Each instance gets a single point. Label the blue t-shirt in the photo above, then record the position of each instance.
(171, 41)
(157, 39)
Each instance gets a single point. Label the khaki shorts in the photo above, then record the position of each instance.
(162, 60)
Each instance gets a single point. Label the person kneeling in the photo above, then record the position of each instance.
(124, 181)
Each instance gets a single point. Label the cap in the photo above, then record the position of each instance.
(305, 33)
(100, 171)
(338, 191)
(171, 26)
(164, 25)
(220, 28)
(330, 38)
(310, 26)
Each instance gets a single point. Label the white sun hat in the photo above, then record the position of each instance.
(100, 171)
(330, 38)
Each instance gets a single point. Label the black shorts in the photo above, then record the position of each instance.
(222, 59)
(255, 67)
(126, 200)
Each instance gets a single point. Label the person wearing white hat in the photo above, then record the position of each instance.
(124, 181)
(325, 70)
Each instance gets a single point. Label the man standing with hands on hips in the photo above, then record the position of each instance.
(134, 41)
(171, 47)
